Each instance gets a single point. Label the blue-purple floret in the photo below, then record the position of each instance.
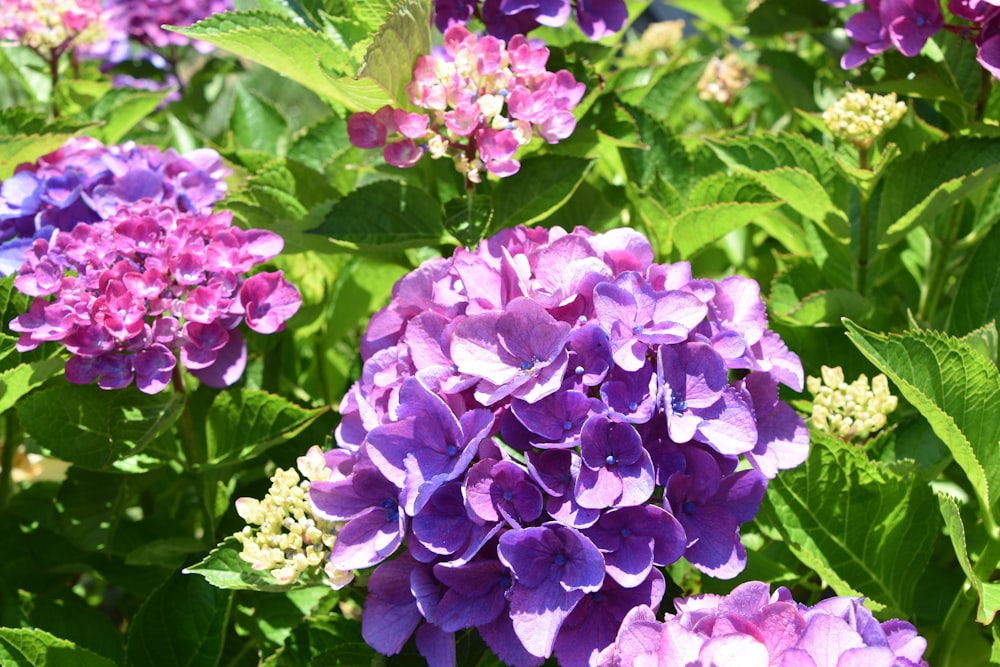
(543, 423)
(505, 18)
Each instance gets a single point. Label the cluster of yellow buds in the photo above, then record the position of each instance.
(723, 78)
(861, 118)
(282, 535)
(850, 411)
(51, 24)
(661, 36)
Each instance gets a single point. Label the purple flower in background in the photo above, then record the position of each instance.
(554, 414)
(143, 21)
(752, 626)
(505, 18)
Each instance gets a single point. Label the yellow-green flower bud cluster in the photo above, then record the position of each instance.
(850, 411)
(723, 78)
(659, 36)
(861, 118)
(282, 536)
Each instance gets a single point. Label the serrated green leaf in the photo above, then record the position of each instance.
(289, 48)
(403, 37)
(372, 12)
(72, 619)
(196, 615)
(863, 528)
(954, 388)
(22, 379)
(698, 227)
(663, 99)
(223, 568)
(989, 593)
(94, 428)
(766, 151)
(923, 185)
(30, 647)
(800, 296)
(539, 188)
(320, 143)
(807, 196)
(244, 423)
(663, 156)
(977, 299)
(382, 216)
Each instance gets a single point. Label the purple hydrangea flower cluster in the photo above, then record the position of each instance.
(143, 21)
(85, 181)
(486, 100)
(506, 18)
(753, 628)
(131, 290)
(540, 425)
(907, 25)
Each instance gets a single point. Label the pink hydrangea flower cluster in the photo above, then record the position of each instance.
(50, 24)
(752, 627)
(486, 99)
(906, 25)
(543, 423)
(86, 181)
(130, 291)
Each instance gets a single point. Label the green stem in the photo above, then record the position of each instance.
(864, 231)
(189, 446)
(54, 79)
(938, 275)
(961, 607)
(11, 442)
(985, 86)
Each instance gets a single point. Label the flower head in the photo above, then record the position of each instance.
(550, 417)
(850, 411)
(52, 25)
(861, 118)
(484, 100)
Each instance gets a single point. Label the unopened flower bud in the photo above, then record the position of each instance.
(850, 411)
(860, 118)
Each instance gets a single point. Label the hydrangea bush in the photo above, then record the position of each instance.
(538, 402)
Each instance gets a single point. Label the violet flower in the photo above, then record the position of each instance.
(554, 414)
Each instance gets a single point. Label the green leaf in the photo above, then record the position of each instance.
(923, 185)
(121, 109)
(320, 143)
(383, 216)
(767, 151)
(468, 219)
(372, 12)
(244, 423)
(94, 428)
(223, 568)
(19, 148)
(801, 296)
(22, 379)
(663, 155)
(257, 123)
(183, 623)
(289, 48)
(29, 647)
(671, 91)
(862, 527)
(989, 593)
(698, 227)
(89, 506)
(73, 619)
(977, 299)
(393, 53)
(954, 388)
(539, 188)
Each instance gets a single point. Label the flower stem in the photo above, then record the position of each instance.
(11, 442)
(864, 231)
(189, 446)
(958, 614)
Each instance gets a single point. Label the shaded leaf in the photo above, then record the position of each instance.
(403, 36)
(468, 218)
(89, 506)
(97, 429)
(540, 187)
(257, 123)
(30, 647)
(196, 615)
(385, 215)
(244, 423)
(989, 593)
(977, 299)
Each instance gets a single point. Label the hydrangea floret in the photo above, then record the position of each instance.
(541, 424)
(144, 21)
(723, 78)
(860, 118)
(506, 18)
(51, 26)
(282, 536)
(86, 181)
(485, 100)
(850, 411)
(753, 627)
(127, 293)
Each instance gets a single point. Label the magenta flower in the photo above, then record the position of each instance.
(151, 281)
